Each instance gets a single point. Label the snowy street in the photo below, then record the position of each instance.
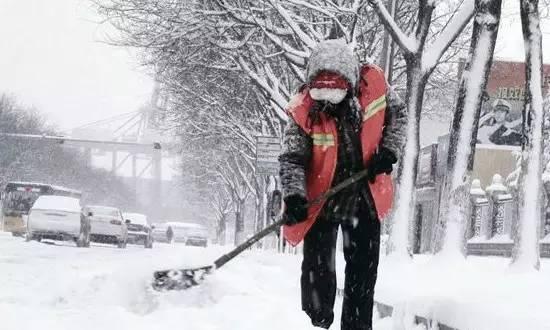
(58, 286)
(64, 287)
(350, 164)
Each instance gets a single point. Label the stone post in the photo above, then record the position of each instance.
(480, 207)
(495, 224)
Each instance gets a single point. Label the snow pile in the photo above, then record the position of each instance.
(496, 185)
(476, 189)
(476, 293)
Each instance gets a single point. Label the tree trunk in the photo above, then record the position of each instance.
(220, 234)
(239, 222)
(406, 176)
(526, 248)
(260, 207)
(455, 203)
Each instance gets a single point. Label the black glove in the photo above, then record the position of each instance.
(381, 162)
(296, 209)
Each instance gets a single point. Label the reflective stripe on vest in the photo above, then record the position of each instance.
(374, 107)
(320, 139)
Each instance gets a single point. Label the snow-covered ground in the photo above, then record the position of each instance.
(482, 293)
(45, 286)
(60, 286)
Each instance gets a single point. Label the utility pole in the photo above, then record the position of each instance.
(157, 200)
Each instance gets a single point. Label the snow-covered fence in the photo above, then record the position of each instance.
(494, 236)
(493, 210)
(493, 218)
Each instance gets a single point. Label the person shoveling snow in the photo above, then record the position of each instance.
(343, 120)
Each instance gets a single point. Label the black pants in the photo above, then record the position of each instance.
(361, 252)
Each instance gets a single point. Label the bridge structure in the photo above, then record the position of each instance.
(130, 145)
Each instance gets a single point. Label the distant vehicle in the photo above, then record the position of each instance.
(139, 231)
(107, 225)
(59, 218)
(189, 233)
(19, 197)
(162, 233)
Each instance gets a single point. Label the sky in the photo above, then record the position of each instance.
(510, 39)
(52, 59)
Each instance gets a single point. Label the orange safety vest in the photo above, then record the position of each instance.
(372, 99)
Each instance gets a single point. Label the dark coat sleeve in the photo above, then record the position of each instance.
(395, 124)
(294, 159)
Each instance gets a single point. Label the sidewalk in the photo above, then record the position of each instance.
(474, 294)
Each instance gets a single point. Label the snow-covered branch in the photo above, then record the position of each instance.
(406, 43)
(448, 35)
(309, 42)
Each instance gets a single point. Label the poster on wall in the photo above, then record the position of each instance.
(500, 120)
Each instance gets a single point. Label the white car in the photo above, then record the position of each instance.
(189, 233)
(107, 225)
(139, 231)
(161, 233)
(60, 218)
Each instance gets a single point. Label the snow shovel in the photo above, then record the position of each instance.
(181, 279)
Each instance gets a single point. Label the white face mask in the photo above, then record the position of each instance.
(331, 95)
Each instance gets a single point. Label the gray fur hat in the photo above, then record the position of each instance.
(333, 55)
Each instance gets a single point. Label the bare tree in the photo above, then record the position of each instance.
(197, 48)
(221, 202)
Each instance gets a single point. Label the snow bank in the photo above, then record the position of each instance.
(479, 293)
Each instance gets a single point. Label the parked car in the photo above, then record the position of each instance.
(59, 218)
(189, 233)
(161, 232)
(107, 225)
(139, 231)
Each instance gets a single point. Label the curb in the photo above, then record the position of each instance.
(387, 311)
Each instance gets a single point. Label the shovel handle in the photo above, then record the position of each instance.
(249, 242)
(281, 221)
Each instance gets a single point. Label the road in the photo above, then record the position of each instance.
(58, 286)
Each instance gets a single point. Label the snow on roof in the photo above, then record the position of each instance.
(28, 183)
(57, 203)
(135, 218)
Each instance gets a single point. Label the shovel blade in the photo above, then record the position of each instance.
(180, 279)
